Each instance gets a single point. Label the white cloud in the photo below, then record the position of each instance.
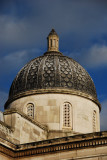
(94, 57)
(104, 115)
(68, 17)
(14, 61)
(15, 32)
(3, 98)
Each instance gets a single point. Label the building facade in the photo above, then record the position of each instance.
(52, 111)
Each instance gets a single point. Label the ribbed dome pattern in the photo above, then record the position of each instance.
(52, 70)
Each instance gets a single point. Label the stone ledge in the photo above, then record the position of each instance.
(5, 129)
(13, 110)
(5, 125)
(6, 143)
(75, 138)
(77, 142)
(52, 91)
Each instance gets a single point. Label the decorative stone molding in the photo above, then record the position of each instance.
(13, 110)
(53, 91)
(5, 128)
(71, 143)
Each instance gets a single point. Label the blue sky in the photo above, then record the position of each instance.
(81, 26)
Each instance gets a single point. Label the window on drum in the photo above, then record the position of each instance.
(67, 115)
(94, 121)
(30, 110)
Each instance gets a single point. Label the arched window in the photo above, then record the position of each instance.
(51, 42)
(54, 43)
(94, 121)
(30, 110)
(67, 115)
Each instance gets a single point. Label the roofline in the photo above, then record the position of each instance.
(52, 91)
(56, 145)
(14, 110)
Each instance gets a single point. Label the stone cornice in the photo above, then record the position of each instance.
(52, 91)
(13, 110)
(5, 125)
(70, 143)
(6, 143)
(5, 129)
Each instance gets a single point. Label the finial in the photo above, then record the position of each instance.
(53, 32)
(53, 41)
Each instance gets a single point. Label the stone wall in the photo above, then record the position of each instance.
(79, 147)
(1, 116)
(5, 131)
(48, 110)
(25, 130)
(99, 153)
(4, 157)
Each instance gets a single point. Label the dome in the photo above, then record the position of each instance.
(52, 73)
